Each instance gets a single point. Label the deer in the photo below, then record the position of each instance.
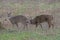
(42, 18)
(14, 20)
(19, 18)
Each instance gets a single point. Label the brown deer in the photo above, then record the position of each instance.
(42, 18)
(17, 19)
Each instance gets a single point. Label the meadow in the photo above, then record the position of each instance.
(31, 34)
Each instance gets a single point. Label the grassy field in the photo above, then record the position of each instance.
(29, 35)
(51, 34)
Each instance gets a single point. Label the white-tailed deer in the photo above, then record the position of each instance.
(42, 18)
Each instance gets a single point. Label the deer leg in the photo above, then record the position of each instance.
(25, 25)
(52, 25)
(36, 25)
(16, 24)
(41, 25)
(49, 23)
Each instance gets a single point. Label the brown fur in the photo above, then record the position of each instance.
(18, 19)
(42, 18)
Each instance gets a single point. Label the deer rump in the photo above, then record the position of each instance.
(42, 18)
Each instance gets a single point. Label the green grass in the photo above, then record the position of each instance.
(51, 6)
(28, 36)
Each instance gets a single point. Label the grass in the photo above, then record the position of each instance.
(31, 35)
(51, 6)
(20, 9)
(28, 36)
